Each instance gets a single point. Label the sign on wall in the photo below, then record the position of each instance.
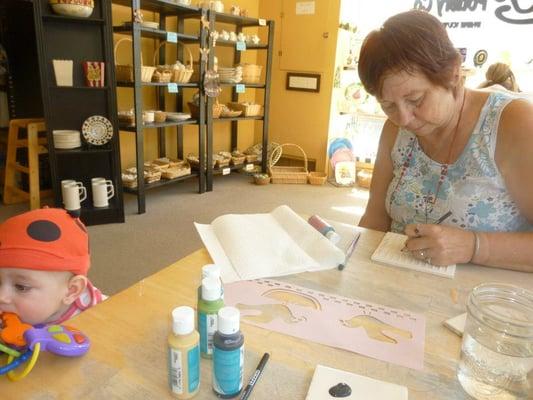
(509, 11)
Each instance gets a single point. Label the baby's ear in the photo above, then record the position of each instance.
(76, 286)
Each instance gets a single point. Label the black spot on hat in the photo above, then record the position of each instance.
(44, 231)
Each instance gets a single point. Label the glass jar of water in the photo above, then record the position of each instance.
(497, 351)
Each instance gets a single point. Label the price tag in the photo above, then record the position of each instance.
(172, 87)
(241, 46)
(172, 37)
(262, 22)
(240, 88)
(226, 171)
(249, 167)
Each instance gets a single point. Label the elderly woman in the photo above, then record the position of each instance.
(445, 148)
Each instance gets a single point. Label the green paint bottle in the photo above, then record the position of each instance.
(208, 305)
(211, 271)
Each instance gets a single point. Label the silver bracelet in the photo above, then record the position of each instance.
(476, 246)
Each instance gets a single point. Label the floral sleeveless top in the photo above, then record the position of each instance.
(472, 189)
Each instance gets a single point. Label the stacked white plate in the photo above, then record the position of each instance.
(66, 139)
(230, 75)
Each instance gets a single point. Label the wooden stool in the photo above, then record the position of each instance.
(12, 193)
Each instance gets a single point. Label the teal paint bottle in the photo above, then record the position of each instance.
(228, 354)
(208, 306)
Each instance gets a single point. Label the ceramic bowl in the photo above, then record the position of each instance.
(73, 8)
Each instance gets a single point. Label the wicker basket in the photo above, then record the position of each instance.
(178, 75)
(251, 73)
(250, 158)
(288, 174)
(125, 73)
(237, 160)
(195, 110)
(162, 76)
(259, 179)
(176, 172)
(317, 178)
(248, 110)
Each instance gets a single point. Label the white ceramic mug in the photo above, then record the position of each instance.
(65, 182)
(103, 190)
(73, 195)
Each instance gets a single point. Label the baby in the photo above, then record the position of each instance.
(44, 259)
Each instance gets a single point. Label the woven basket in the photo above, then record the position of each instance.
(251, 73)
(162, 76)
(178, 75)
(261, 180)
(195, 110)
(176, 172)
(317, 178)
(125, 73)
(288, 174)
(248, 110)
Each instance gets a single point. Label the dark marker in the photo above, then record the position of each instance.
(255, 377)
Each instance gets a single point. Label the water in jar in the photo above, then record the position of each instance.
(504, 375)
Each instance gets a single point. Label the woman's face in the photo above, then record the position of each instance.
(412, 102)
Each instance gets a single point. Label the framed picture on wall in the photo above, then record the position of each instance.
(303, 82)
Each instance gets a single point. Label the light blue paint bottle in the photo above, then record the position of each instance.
(228, 354)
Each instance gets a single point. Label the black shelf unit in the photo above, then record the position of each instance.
(80, 39)
(240, 23)
(164, 8)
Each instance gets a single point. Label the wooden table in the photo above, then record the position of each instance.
(129, 330)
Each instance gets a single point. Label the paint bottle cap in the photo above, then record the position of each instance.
(228, 320)
(333, 237)
(211, 271)
(182, 320)
(211, 289)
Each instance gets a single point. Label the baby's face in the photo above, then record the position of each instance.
(35, 296)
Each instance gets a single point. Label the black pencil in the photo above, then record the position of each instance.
(444, 217)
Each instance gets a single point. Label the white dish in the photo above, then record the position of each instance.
(65, 132)
(72, 10)
(97, 130)
(178, 116)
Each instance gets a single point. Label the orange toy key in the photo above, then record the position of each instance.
(13, 329)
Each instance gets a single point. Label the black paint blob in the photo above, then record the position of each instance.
(340, 390)
(43, 231)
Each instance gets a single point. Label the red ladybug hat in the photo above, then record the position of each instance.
(48, 239)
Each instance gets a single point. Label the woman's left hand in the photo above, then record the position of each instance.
(440, 244)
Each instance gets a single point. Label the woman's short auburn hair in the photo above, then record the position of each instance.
(410, 41)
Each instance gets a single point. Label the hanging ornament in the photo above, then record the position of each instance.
(211, 83)
(214, 37)
(205, 23)
(480, 57)
(138, 16)
(203, 54)
(337, 78)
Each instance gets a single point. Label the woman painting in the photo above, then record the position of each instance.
(445, 148)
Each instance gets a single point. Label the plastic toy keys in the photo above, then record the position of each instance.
(13, 329)
(59, 339)
(56, 339)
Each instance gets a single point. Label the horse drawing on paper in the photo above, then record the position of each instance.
(376, 329)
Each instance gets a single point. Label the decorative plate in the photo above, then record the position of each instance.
(97, 130)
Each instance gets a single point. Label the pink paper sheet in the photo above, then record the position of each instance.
(369, 329)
